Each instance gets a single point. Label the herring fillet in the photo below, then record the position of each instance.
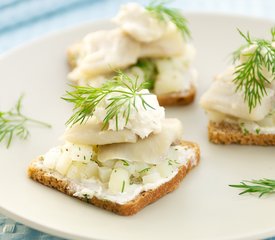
(222, 97)
(150, 150)
(91, 133)
(103, 51)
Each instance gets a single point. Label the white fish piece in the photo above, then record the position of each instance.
(152, 149)
(169, 45)
(91, 133)
(103, 51)
(222, 97)
(139, 23)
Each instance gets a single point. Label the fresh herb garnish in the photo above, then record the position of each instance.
(86, 197)
(125, 163)
(245, 131)
(249, 75)
(172, 162)
(258, 130)
(144, 170)
(123, 186)
(262, 186)
(163, 13)
(86, 99)
(14, 124)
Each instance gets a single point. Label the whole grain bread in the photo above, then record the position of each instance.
(45, 177)
(177, 98)
(228, 133)
(170, 99)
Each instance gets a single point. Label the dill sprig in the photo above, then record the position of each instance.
(262, 186)
(163, 13)
(249, 74)
(86, 99)
(13, 124)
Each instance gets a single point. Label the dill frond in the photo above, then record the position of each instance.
(86, 99)
(262, 186)
(163, 13)
(249, 75)
(14, 124)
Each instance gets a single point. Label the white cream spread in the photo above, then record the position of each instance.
(264, 126)
(88, 186)
(142, 120)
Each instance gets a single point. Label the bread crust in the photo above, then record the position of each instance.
(177, 98)
(142, 200)
(227, 133)
(169, 99)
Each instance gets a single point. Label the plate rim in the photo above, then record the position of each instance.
(101, 21)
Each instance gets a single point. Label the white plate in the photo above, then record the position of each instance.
(203, 207)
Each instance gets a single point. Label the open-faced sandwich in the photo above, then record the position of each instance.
(151, 42)
(240, 102)
(120, 152)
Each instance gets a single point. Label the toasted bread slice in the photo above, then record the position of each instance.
(170, 99)
(63, 184)
(227, 133)
(177, 98)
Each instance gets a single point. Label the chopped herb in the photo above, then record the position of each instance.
(172, 162)
(243, 128)
(125, 163)
(123, 186)
(245, 131)
(86, 197)
(258, 130)
(144, 170)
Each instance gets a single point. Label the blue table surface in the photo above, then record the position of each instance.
(25, 20)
